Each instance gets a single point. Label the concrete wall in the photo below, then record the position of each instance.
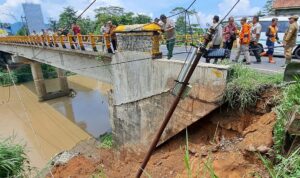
(141, 97)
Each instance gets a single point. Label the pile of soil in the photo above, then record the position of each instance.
(225, 143)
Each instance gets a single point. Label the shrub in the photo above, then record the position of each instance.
(12, 159)
(245, 85)
(291, 97)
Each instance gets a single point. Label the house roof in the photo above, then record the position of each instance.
(286, 4)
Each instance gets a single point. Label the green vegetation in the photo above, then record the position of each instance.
(117, 15)
(5, 79)
(187, 155)
(12, 159)
(22, 31)
(99, 174)
(286, 167)
(106, 141)
(209, 167)
(245, 85)
(291, 98)
(23, 74)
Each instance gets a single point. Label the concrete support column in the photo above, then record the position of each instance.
(63, 83)
(38, 78)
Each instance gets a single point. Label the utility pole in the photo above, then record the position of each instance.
(25, 24)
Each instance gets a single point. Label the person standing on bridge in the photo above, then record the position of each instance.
(255, 36)
(272, 35)
(244, 41)
(290, 38)
(113, 36)
(229, 33)
(217, 39)
(75, 28)
(168, 27)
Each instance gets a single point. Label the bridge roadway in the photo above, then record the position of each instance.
(141, 86)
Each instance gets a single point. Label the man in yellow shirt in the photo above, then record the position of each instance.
(290, 38)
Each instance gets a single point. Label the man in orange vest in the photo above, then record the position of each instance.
(245, 38)
(272, 35)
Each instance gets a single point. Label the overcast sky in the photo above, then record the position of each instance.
(153, 8)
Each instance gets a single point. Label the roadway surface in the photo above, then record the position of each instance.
(264, 66)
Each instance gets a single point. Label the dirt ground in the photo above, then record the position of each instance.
(224, 143)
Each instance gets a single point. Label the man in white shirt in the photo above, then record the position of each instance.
(255, 36)
(169, 28)
(217, 39)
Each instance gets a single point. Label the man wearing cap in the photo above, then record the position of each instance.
(169, 28)
(290, 38)
(217, 39)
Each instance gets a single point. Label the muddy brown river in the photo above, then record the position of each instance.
(48, 128)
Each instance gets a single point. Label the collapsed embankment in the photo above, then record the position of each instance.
(224, 143)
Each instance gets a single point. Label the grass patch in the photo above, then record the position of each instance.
(187, 163)
(291, 98)
(13, 159)
(106, 141)
(245, 86)
(286, 168)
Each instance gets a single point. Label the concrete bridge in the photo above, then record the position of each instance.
(141, 83)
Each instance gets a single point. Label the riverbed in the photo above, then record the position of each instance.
(47, 128)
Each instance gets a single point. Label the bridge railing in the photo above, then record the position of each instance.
(82, 42)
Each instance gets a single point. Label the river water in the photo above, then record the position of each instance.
(48, 128)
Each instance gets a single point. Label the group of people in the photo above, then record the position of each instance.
(249, 36)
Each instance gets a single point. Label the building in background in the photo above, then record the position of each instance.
(286, 7)
(33, 17)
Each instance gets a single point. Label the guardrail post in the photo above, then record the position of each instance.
(71, 42)
(62, 42)
(79, 38)
(40, 40)
(49, 41)
(55, 41)
(43, 40)
(93, 42)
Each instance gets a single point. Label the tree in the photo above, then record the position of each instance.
(181, 24)
(67, 17)
(141, 19)
(268, 8)
(86, 25)
(22, 31)
(118, 16)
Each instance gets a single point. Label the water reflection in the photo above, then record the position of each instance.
(88, 109)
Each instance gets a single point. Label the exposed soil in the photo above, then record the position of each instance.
(224, 142)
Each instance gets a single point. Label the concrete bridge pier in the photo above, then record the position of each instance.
(40, 85)
(38, 78)
(63, 81)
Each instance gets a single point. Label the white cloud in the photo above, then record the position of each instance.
(243, 8)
